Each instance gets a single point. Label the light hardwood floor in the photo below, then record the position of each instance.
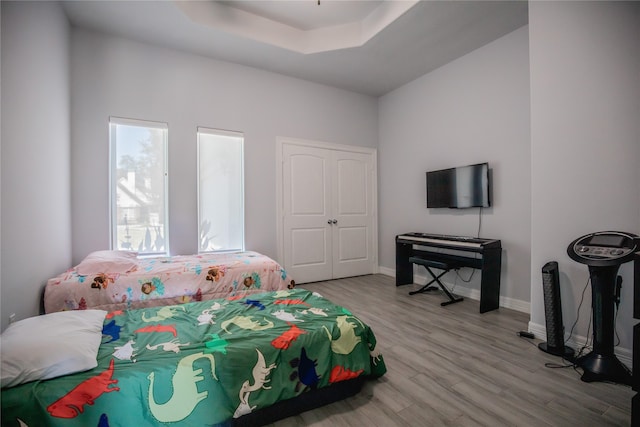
(452, 366)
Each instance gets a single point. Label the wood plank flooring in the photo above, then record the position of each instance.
(452, 366)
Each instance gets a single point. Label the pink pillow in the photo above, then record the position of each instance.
(108, 262)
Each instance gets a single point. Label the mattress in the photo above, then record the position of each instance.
(205, 363)
(130, 282)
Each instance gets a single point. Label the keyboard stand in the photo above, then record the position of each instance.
(479, 253)
(436, 278)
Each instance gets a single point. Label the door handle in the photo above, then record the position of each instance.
(329, 222)
(335, 221)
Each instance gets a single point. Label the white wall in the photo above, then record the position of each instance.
(585, 140)
(472, 110)
(36, 210)
(115, 77)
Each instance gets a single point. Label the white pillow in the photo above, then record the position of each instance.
(50, 346)
(108, 262)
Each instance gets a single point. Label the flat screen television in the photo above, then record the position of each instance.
(459, 187)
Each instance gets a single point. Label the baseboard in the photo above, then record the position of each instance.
(474, 294)
(387, 271)
(577, 342)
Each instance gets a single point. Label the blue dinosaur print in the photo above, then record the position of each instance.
(307, 370)
(104, 421)
(306, 373)
(255, 303)
(112, 330)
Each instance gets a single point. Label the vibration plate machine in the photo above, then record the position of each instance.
(604, 252)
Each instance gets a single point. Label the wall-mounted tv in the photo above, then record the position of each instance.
(459, 187)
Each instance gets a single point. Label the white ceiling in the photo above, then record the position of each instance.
(308, 14)
(370, 47)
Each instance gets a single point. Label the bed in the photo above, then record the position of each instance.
(117, 280)
(216, 362)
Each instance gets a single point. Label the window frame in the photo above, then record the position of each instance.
(228, 133)
(113, 176)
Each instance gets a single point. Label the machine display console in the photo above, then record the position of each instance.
(604, 248)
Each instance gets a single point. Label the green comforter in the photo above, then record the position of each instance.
(203, 363)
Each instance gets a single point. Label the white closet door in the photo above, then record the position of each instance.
(307, 213)
(327, 212)
(352, 202)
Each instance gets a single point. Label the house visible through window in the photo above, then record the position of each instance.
(138, 168)
(220, 190)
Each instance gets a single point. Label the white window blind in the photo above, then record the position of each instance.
(220, 190)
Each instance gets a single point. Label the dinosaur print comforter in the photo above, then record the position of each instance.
(203, 363)
(166, 281)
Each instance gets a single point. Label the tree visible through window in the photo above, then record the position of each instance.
(220, 190)
(138, 186)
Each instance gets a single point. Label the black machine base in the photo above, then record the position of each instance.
(598, 367)
(565, 352)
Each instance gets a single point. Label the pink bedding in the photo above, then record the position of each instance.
(162, 281)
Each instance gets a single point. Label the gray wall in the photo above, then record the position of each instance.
(585, 143)
(472, 110)
(36, 209)
(115, 77)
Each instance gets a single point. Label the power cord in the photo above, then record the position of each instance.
(570, 363)
(473, 270)
(528, 336)
(578, 312)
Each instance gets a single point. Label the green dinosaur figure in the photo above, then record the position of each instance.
(164, 313)
(348, 338)
(246, 322)
(216, 344)
(185, 395)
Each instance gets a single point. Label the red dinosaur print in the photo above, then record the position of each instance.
(339, 373)
(287, 337)
(159, 328)
(71, 404)
(291, 302)
(114, 314)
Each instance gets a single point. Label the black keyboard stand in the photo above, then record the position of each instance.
(482, 254)
(436, 278)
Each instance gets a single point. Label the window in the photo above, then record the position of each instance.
(220, 190)
(138, 155)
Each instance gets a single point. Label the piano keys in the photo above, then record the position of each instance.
(478, 253)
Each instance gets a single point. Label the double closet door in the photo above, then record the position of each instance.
(328, 202)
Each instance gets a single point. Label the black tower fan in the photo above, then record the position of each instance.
(553, 313)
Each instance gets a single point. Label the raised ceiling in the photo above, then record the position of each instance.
(369, 47)
(308, 15)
